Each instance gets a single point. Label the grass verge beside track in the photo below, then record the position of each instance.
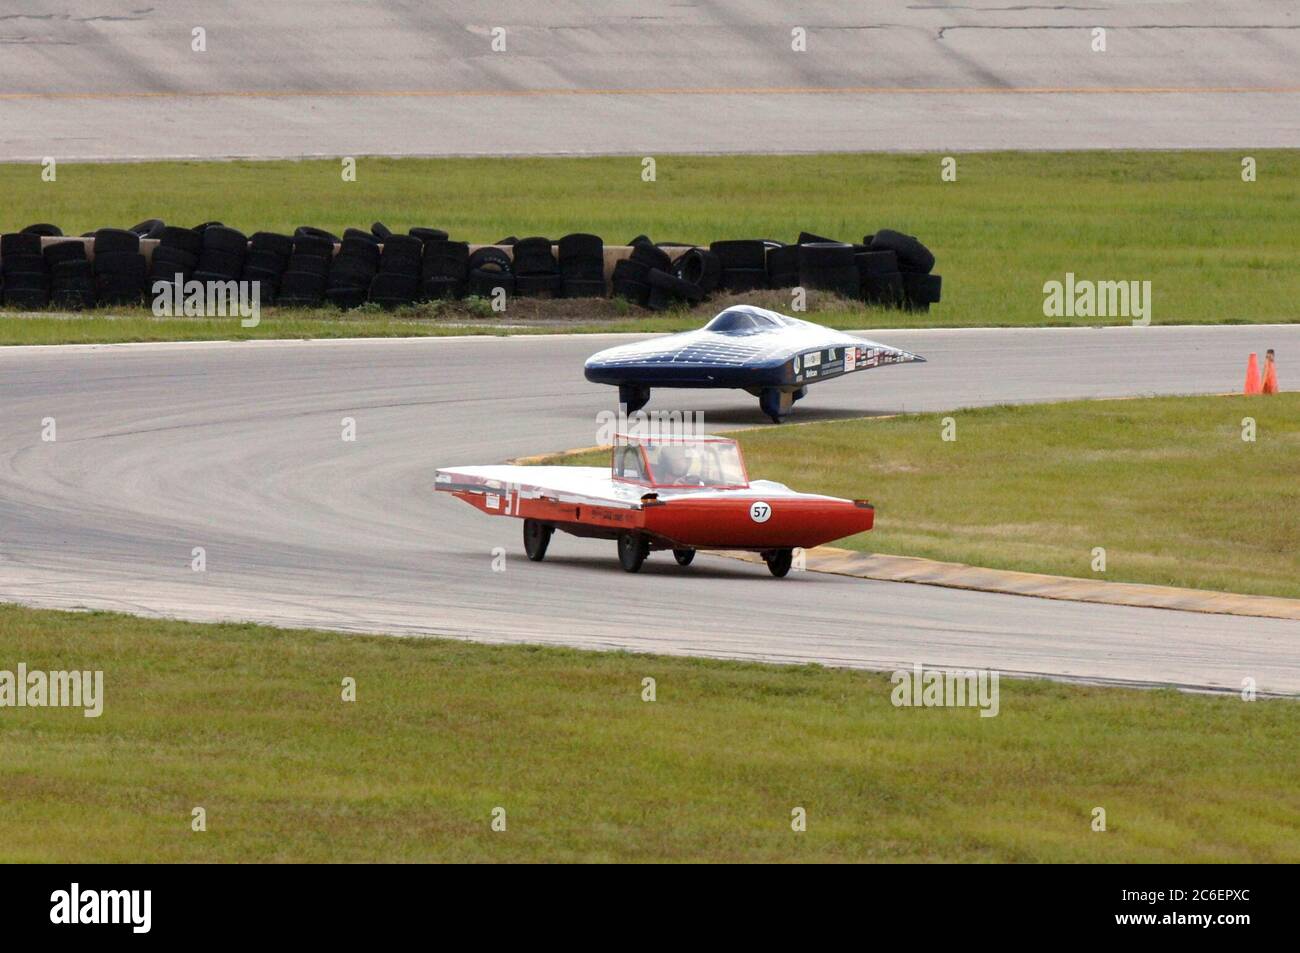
(247, 722)
(1215, 249)
(1167, 486)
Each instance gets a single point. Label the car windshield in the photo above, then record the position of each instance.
(742, 322)
(702, 463)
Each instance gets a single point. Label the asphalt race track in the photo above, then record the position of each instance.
(115, 79)
(237, 448)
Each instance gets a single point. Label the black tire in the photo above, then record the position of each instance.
(347, 298)
(183, 239)
(583, 269)
(490, 258)
(808, 238)
(266, 261)
(886, 290)
(171, 255)
(360, 249)
(443, 289)
(484, 284)
(674, 287)
(537, 536)
(271, 243)
(700, 267)
(301, 286)
(921, 290)
(844, 281)
(126, 264)
(44, 229)
(401, 256)
(826, 255)
(19, 243)
(204, 226)
(638, 292)
(684, 557)
(583, 288)
(227, 241)
(110, 241)
(651, 257)
(876, 263)
(445, 259)
(746, 253)
(27, 281)
(779, 561)
(391, 287)
(29, 300)
(508, 240)
(533, 256)
(912, 255)
(738, 280)
(783, 261)
(220, 263)
(580, 245)
(538, 286)
(149, 228)
(351, 273)
(313, 245)
(380, 230)
(311, 231)
(633, 548)
(427, 234)
(24, 263)
(73, 273)
(73, 299)
(786, 279)
(310, 264)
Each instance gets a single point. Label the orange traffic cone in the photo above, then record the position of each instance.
(1270, 373)
(1252, 374)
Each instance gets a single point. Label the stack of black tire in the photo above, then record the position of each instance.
(177, 253)
(119, 267)
(829, 266)
(397, 282)
(911, 286)
(445, 268)
(489, 269)
(631, 276)
(23, 270)
(222, 255)
(536, 272)
(72, 282)
(744, 264)
(266, 262)
(353, 269)
(306, 275)
(582, 266)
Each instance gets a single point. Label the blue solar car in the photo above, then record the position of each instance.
(770, 355)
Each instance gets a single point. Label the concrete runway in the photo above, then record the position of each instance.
(113, 79)
(237, 448)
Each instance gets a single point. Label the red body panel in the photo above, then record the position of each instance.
(727, 523)
(697, 524)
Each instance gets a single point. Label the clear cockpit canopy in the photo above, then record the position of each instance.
(698, 461)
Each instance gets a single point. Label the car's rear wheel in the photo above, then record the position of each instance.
(684, 557)
(537, 536)
(633, 548)
(779, 561)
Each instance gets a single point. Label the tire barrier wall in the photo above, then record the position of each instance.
(40, 267)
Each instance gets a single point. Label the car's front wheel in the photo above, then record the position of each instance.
(779, 561)
(537, 536)
(633, 548)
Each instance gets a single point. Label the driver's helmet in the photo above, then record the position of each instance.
(676, 462)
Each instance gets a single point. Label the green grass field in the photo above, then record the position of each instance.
(1216, 249)
(247, 722)
(1166, 486)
